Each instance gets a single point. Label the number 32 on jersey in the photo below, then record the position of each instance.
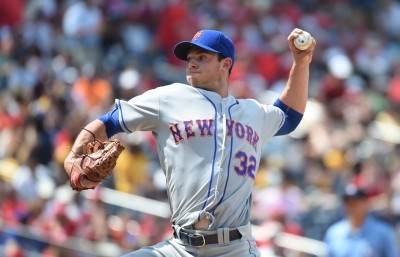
(247, 164)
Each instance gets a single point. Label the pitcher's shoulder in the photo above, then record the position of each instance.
(175, 88)
(250, 103)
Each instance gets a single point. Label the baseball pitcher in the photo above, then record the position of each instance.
(209, 145)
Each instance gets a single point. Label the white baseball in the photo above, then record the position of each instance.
(303, 41)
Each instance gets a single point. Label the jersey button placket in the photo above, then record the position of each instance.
(221, 137)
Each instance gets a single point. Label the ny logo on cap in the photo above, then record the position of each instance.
(198, 35)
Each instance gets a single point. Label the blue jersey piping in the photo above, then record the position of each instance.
(122, 116)
(215, 153)
(229, 161)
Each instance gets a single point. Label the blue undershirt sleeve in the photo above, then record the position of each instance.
(292, 119)
(111, 121)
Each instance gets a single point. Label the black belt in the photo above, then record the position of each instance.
(199, 240)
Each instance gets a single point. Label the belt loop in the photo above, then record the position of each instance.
(226, 236)
(177, 230)
(220, 234)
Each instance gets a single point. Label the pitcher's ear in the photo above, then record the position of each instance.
(227, 63)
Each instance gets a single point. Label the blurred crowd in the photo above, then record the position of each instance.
(63, 62)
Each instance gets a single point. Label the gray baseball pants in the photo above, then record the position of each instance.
(243, 247)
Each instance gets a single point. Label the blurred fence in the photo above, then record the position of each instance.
(77, 245)
(301, 245)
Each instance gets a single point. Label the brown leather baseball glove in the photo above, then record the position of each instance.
(97, 162)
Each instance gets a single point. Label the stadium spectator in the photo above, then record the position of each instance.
(359, 234)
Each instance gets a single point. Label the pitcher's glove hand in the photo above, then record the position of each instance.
(97, 162)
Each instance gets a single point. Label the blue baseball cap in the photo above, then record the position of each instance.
(210, 40)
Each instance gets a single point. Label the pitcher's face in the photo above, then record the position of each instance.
(203, 68)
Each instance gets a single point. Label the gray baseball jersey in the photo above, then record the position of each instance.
(209, 148)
